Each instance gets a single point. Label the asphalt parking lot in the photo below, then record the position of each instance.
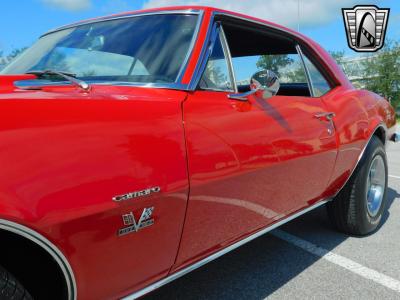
(306, 259)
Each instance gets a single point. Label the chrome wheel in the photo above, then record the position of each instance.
(376, 183)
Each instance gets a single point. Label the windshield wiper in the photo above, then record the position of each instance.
(66, 75)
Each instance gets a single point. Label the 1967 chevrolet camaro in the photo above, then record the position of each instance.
(138, 147)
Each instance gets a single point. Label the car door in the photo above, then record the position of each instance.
(250, 162)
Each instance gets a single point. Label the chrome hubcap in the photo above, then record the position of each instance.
(376, 185)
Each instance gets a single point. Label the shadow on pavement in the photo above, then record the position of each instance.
(391, 196)
(259, 268)
(253, 271)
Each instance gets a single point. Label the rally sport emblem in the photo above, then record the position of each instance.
(365, 27)
(129, 221)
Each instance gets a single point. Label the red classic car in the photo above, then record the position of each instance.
(137, 147)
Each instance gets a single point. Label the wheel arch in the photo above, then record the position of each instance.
(34, 238)
(380, 131)
(377, 130)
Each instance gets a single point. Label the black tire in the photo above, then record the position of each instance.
(10, 288)
(348, 211)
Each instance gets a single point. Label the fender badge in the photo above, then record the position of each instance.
(137, 194)
(129, 221)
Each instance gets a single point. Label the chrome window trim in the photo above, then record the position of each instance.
(327, 78)
(173, 86)
(215, 33)
(218, 254)
(49, 247)
(296, 36)
(189, 53)
(208, 45)
(219, 37)
(126, 16)
(307, 72)
(228, 57)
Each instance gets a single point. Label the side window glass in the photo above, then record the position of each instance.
(288, 67)
(319, 84)
(216, 75)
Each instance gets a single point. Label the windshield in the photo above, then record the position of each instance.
(142, 49)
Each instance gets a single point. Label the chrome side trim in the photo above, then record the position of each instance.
(45, 244)
(218, 254)
(360, 157)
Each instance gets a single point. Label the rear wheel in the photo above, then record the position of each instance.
(359, 207)
(10, 288)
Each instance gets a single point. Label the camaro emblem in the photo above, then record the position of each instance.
(133, 226)
(365, 27)
(137, 194)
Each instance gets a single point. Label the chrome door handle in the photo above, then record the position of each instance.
(243, 96)
(325, 116)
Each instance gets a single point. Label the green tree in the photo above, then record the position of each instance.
(297, 74)
(2, 62)
(338, 56)
(274, 63)
(6, 59)
(382, 72)
(14, 53)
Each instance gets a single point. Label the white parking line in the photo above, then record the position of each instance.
(339, 260)
(398, 177)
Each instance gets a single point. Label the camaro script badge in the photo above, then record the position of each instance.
(137, 194)
(365, 27)
(133, 226)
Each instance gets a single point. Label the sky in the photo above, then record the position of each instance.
(23, 21)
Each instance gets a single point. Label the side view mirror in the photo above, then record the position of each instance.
(264, 84)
